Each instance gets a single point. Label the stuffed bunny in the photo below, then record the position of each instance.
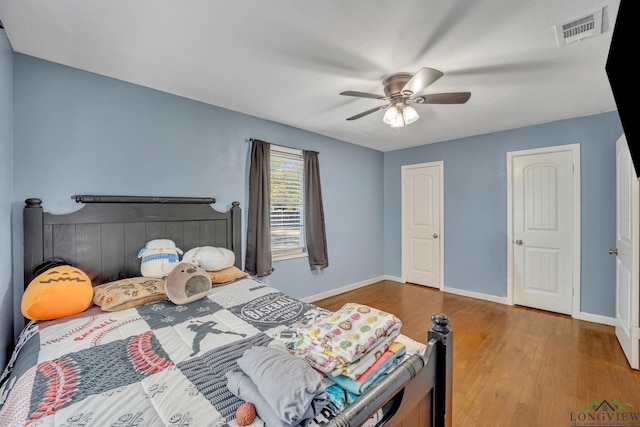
(159, 257)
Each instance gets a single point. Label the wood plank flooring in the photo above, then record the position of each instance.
(512, 366)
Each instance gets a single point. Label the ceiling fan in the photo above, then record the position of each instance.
(401, 89)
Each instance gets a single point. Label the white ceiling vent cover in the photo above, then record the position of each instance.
(580, 28)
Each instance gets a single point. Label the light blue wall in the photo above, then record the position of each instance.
(76, 132)
(6, 196)
(475, 205)
(80, 133)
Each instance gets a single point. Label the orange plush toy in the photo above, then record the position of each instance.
(58, 290)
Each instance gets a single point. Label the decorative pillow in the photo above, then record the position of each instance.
(186, 283)
(159, 257)
(126, 293)
(226, 275)
(60, 290)
(210, 258)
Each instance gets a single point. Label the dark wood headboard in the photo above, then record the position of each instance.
(103, 237)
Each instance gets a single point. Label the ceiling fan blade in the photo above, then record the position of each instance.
(443, 98)
(364, 95)
(421, 80)
(373, 110)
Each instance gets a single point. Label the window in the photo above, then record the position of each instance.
(287, 203)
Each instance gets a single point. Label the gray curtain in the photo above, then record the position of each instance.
(314, 213)
(258, 255)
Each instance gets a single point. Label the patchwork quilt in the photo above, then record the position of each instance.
(159, 364)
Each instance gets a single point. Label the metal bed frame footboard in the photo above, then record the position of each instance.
(425, 379)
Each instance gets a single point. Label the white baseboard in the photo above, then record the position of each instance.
(341, 290)
(393, 279)
(588, 317)
(462, 292)
(486, 297)
(597, 318)
(477, 295)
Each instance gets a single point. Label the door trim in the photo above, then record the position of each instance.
(630, 348)
(575, 149)
(440, 165)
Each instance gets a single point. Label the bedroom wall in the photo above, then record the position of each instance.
(475, 205)
(6, 196)
(77, 132)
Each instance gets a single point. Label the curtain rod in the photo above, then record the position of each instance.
(293, 148)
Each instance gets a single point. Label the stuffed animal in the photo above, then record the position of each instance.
(186, 283)
(210, 258)
(58, 290)
(159, 257)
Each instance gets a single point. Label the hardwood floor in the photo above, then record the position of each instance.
(513, 366)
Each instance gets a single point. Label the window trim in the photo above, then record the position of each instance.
(301, 250)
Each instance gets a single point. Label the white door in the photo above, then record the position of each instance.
(626, 251)
(543, 229)
(421, 224)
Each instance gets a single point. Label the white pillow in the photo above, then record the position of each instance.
(210, 258)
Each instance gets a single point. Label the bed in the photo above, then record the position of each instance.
(132, 367)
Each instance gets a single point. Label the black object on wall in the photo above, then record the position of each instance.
(623, 79)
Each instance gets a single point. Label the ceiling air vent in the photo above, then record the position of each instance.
(580, 28)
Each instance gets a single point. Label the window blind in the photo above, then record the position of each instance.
(287, 202)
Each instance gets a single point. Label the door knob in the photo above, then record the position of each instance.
(613, 252)
(518, 242)
(435, 235)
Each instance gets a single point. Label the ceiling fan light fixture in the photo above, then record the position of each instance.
(391, 116)
(400, 115)
(409, 114)
(399, 123)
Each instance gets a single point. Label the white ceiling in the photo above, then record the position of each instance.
(288, 60)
